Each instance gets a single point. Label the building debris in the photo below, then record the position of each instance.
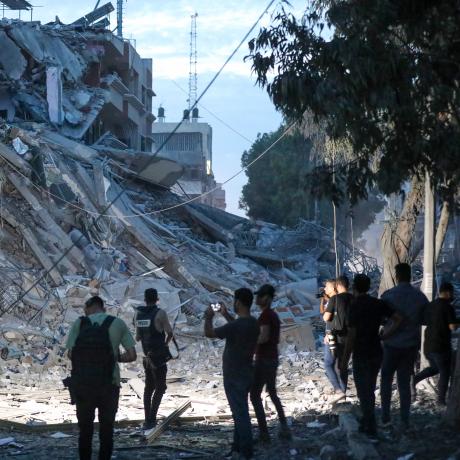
(156, 432)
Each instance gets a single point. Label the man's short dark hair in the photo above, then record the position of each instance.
(446, 287)
(95, 302)
(343, 281)
(151, 295)
(266, 289)
(403, 273)
(361, 283)
(245, 296)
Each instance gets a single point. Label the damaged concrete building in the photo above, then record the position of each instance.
(190, 145)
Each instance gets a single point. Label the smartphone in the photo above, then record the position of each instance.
(216, 306)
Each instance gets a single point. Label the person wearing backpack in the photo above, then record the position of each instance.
(155, 332)
(337, 312)
(93, 344)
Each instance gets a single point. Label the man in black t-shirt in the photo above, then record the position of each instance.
(241, 336)
(440, 319)
(366, 315)
(337, 312)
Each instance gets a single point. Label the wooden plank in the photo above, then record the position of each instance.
(158, 431)
(12, 157)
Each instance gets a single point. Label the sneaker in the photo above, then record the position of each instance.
(337, 397)
(285, 433)
(149, 425)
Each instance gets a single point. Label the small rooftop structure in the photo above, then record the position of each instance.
(16, 5)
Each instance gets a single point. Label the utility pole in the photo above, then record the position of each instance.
(193, 75)
(429, 241)
(429, 245)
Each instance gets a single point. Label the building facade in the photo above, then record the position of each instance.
(191, 146)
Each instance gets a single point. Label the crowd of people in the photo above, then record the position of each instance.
(379, 335)
(384, 336)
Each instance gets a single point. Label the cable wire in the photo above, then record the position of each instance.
(117, 197)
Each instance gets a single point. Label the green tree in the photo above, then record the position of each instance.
(276, 189)
(383, 74)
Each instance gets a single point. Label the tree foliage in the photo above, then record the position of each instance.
(281, 186)
(276, 189)
(382, 74)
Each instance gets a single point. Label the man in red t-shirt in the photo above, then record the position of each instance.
(266, 364)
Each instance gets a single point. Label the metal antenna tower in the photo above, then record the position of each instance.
(120, 18)
(193, 77)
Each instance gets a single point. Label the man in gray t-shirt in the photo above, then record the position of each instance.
(401, 344)
(240, 336)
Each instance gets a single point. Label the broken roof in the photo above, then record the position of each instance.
(17, 4)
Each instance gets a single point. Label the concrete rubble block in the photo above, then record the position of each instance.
(12, 157)
(360, 446)
(301, 336)
(54, 95)
(63, 241)
(168, 295)
(214, 229)
(178, 271)
(69, 147)
(11, 59)
(46, 48)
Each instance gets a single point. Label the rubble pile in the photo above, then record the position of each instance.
(59, 245)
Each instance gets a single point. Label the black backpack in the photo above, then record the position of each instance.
(93, 360)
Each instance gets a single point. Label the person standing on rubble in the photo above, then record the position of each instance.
(441, 321)
(240, 336)
(401, 348)
(336, 313)
(266, 364)
(326, 294)
(155, 332)
(93, 347)
(367, 314)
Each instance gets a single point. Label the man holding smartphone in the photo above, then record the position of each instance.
(240, 336)
(266, 364)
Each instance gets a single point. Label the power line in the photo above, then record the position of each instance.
(117, 197)
(170, 208)
(231, 128)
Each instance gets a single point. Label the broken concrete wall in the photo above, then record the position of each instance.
(12, 61)
(54, 95)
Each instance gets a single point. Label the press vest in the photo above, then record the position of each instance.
(152, 340)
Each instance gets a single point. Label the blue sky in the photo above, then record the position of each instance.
(161, 30)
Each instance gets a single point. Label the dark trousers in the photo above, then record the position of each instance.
(365, 372)
(400, 361)
(440, 363)
(106, 401)
(155, 388)
(265, 375)
(237, 390)
(332, 364)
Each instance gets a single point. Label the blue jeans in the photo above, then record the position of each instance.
(237, 390)
(332, 371)
(400, 361)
